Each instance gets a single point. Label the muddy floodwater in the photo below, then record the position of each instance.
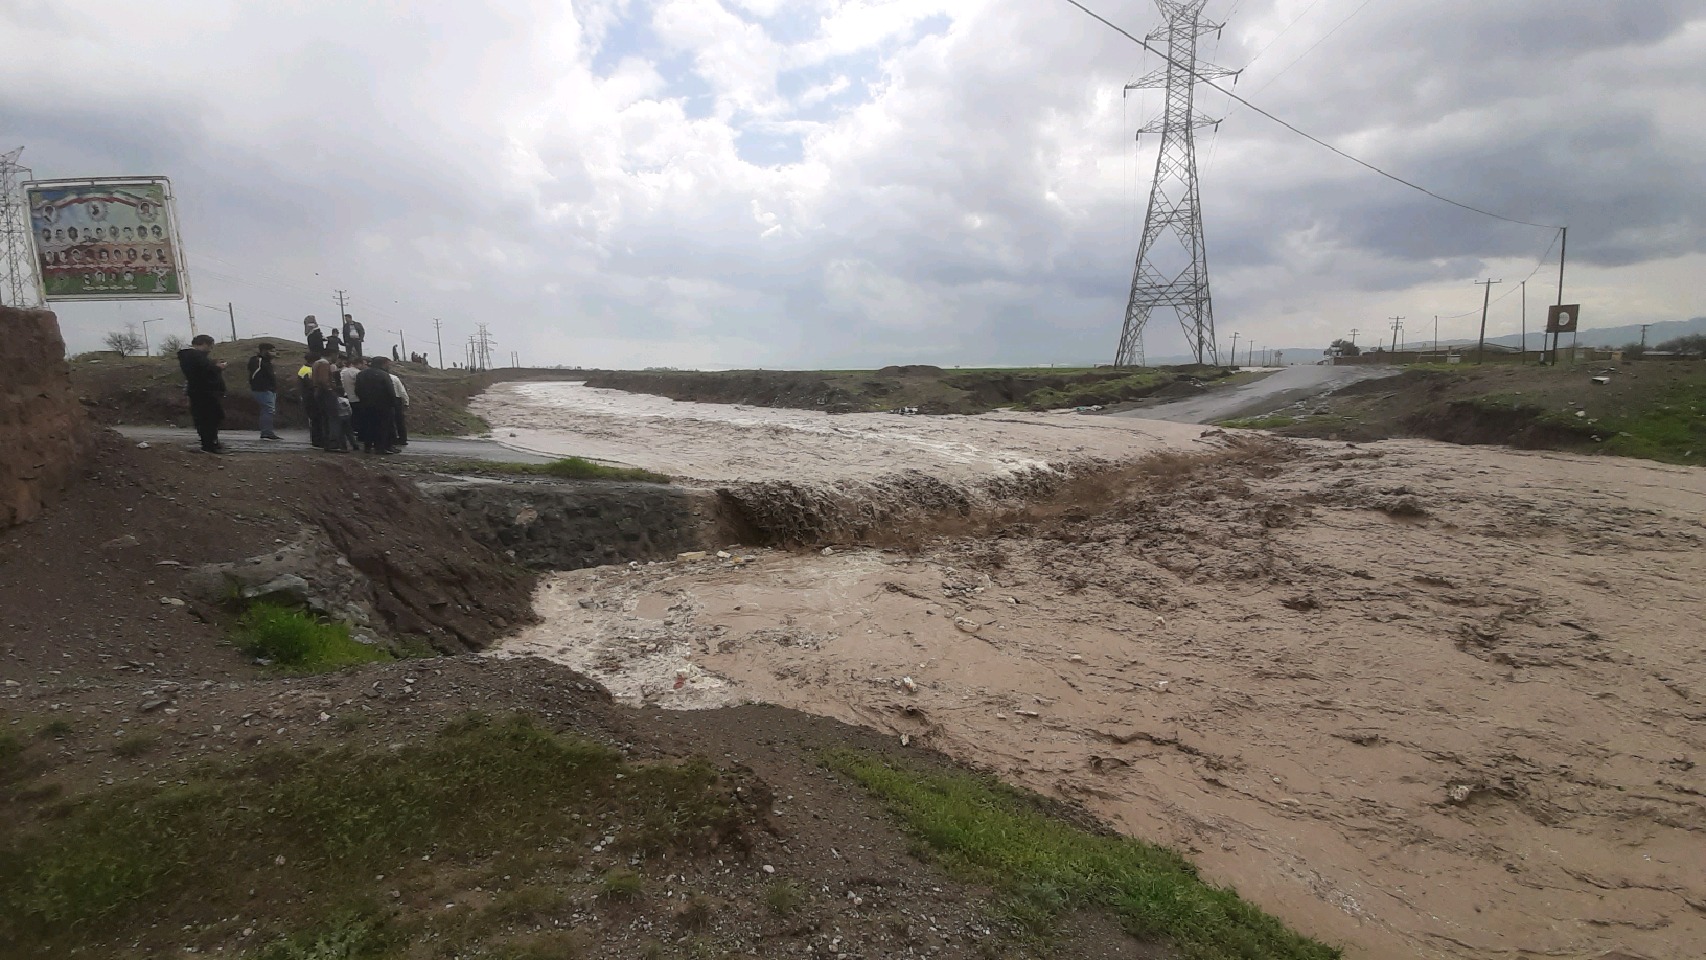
(721, 442)
(1416, 699)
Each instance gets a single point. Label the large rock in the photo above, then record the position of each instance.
(44, 435)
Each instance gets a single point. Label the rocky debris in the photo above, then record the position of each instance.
(308, 573)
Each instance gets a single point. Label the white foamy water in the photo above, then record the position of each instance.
(724, 442)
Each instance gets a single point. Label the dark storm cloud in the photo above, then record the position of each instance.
(580, 176)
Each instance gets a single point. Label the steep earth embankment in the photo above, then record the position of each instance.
(44, 436)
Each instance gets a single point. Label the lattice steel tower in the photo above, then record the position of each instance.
(1172, 258)
(18, 286)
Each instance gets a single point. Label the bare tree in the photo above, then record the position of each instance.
(170, 346)
(126, 342)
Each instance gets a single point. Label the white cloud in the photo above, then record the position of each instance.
(577, 176)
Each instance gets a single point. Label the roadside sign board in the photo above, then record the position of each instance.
(106, 239)
(1563, 318)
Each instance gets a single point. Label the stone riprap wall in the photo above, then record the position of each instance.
(574, 525)
(44, 435)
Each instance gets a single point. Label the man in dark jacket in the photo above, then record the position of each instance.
(354, 335)
(263, 386)
(376, 405)
(204, 382)
(316, 338)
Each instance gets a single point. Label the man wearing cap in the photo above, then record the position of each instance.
(263, 386)
(204, 382)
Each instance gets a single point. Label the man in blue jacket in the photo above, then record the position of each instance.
(204, 382)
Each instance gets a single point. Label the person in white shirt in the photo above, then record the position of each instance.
(346, 381)
(401, 408)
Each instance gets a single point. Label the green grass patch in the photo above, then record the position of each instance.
(1258, 423)
(570, 468)
(314, 828)
(135, 745)
(1047, 867)
(1672, 429)
(299, 641)
(1103, 392)
(621, 884)
(54, 729)
(783, 898)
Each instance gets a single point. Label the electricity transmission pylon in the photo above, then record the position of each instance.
(1172, 257)
(16, 258)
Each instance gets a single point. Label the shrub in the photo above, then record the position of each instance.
(297, 640)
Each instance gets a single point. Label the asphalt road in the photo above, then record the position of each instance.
(297, 441)
(1273, 392)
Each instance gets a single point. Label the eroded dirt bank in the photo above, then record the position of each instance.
(1419, 699)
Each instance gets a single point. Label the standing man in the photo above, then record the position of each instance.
(204, 382)
(354, 335)
(333, 346)
(312, 408)
(377, 407)
(316, 338)
(400, 408)
(263, 386)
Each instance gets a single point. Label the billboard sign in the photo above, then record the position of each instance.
(1563, 318)
(109, 239)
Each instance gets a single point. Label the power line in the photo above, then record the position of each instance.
(1324, 38)
(1541, 264)
(1283, 31)
(1191, 68)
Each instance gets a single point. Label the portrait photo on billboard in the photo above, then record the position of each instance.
(73, 221)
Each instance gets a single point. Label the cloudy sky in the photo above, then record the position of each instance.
(844, 183)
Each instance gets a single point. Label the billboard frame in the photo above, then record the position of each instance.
(177, 240)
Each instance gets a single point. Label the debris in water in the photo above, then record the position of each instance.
(910, 684)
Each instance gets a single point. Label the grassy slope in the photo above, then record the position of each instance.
(1047, 866)
(321, 831)
(1650, 409)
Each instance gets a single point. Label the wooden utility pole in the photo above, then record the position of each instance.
(1486, 301)
(1563, 248)
(1436, 334)
(438, 336)
(1234, 350)
(233, 312)
(1522, 355)
(1397, 325)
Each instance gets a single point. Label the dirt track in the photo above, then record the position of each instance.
(1419, 699)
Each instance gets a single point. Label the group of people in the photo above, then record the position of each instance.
(351, 401)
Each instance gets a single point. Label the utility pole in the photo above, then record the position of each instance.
(1522, 355)
(1397, 325)
(147, 350)
(1487, 301)
(1234, 350)
(1353, 336)
(438, 336)
(233, 312)
(1175, 203)
(1563, 247)
(1436, 334)
(343, 308)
